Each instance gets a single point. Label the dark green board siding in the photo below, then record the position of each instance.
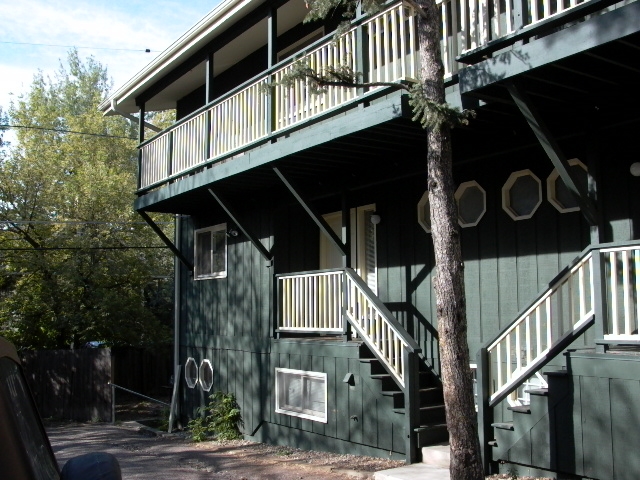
(592, 421)
(357, 414)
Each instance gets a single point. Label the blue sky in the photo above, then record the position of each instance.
(117, 30)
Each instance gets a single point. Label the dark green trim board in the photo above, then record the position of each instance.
(234, 217)
(551, 147)
(166, 240)
(589, 34)
(315, 216)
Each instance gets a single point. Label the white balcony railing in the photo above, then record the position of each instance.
(390, 52)
(313, 302)
(623, 290)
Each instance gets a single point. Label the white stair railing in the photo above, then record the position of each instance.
(520, 349)
(622, 266)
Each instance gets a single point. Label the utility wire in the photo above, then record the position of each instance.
(37, 249)
(146, 50)
(70, 222)
(66, 131)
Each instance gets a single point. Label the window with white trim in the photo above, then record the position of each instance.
(210, 256)
(301, 394)
(191, 372)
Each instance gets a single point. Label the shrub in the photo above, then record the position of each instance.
(220, 418)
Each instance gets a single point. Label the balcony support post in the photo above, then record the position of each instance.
(411, 404)
(209, 79)
(166, 240)
(235, 219)
(315, 216)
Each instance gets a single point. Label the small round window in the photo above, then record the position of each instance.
(191, 372)
(557, 192)
(472, 203)
(521, 195)
(206, 375)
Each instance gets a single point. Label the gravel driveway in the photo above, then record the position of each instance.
(173, 457)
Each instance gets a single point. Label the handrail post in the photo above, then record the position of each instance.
(600, 309)
(485, 411)
(411, 404)
(346, 326)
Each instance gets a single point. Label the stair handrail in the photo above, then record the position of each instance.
(378, 328)
(542, 336)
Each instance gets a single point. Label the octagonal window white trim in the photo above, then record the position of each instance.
(506, 195)
(424, 218)
(205, 376)
(551, 187)
(459, 195)
(191, 373)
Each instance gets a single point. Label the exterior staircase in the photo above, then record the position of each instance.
(432, 427)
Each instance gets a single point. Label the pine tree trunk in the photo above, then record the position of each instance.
(466, 462)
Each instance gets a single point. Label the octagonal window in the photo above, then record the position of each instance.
(206, 375)
(557, 192)
(521, 195)
(191, 372)
(424, 216)
(472, 203)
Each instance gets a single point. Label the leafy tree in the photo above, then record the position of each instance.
(68, 272)
(428, 100)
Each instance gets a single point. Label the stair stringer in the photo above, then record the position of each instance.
(532, 440)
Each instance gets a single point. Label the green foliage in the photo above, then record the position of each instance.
(220, 418)
(67, 272)
(431, 114)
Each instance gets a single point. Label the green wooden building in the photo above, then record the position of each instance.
(304, 261)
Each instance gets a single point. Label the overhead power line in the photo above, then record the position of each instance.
(145, 50)
(38, 249)
(66, 131)
(71, 222)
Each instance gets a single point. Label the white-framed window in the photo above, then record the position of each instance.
(301, 394)
(211, 252)
(205, 376)
(191, 372)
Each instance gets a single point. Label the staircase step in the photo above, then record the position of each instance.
(520, 409)
(432, 434)
(392, 393)
(543, 392)
(431, 395)
(436, 455)
(557, 373)
(492, 443)
(503, 426)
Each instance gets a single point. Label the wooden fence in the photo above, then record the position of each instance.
(74, 384)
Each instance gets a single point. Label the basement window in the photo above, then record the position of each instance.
(211, 252)
(301, 394)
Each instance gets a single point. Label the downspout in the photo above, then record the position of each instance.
(177, 307)
(114, 109)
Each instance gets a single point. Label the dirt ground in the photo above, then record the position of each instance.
(146, 454)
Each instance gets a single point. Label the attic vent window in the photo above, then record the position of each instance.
(211, 252)
(472, 203)
(521, 195)
(191, 372)
(206, 375)
(301, 394)
(557, 192)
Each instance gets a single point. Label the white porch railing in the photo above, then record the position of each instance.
(622, 265)
(313, 302)
(310, 302)
(390, 50)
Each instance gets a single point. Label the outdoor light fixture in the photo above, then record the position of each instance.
(635, 169)
(375, 219)
(232, 233)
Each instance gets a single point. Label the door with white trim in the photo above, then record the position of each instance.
(363, 244)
